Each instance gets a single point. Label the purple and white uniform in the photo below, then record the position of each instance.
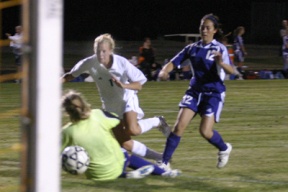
(238, 53)
(285, 52)
(206, 91)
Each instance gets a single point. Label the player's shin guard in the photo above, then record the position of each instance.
(139, 148)
(217, 141)
(171, 145)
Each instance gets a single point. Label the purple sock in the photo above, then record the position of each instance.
(217, 141)
(137, 162)
(171, 144)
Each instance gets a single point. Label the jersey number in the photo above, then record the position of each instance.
(187, 99)
(210, 55)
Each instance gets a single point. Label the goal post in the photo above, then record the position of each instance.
(41, 93)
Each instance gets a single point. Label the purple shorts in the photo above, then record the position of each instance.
(204, 103)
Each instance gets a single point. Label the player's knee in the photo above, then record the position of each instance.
(179, 129)
(128, 145)
(134, 130)
(205, 133)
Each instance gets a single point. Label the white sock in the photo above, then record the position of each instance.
(139, 148)
(147, 124)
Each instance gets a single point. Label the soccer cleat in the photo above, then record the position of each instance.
(141, 172)
(164, 166)
(164, 127)
(223, 156)
(172, 173)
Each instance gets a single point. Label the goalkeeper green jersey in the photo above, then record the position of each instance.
(95, 136)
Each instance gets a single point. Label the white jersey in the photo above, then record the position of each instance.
(114, 98)
(16, 43)
(16, 40)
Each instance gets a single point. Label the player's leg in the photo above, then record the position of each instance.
(139, 172)
(155, 122)
(184, 117)
(137, 127)
(208, 118)
(136, 147)
(133, 121)
(137, 163)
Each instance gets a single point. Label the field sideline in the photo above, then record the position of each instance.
(254, 120)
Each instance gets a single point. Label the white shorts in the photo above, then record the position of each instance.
(121, 107)
(133, 105)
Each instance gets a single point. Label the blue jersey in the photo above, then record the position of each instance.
(208, 76)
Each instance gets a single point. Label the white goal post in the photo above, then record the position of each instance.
(41, 93)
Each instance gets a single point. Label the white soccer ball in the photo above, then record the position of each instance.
(75, 160)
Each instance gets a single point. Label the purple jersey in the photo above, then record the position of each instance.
(208, 76)
(284, 46)
(238, 43)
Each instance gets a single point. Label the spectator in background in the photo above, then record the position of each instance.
(146, 58)
(284, 35)
(155, 69)
(239, 48)
(16, 44)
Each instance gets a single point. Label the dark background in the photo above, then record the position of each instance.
(135, 19)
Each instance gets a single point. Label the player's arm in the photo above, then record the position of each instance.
(67, 77)
(164, 73)
(81, 67)
(132, 85)
(135, 76)
(224, 64)
(227, 68)
(175, 61)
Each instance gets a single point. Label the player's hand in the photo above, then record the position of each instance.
(163, 75)
(117, 82)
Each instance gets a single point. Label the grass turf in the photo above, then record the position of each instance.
(254, 120)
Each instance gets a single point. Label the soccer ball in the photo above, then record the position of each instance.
(75, 160)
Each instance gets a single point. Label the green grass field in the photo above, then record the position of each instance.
(254, 120)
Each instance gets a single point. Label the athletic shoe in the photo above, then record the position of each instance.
(141, 172)
(164, 127)
(172, 173)
(223, 156)
(164, 166)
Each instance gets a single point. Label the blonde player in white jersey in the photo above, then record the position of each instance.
(118, 82)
